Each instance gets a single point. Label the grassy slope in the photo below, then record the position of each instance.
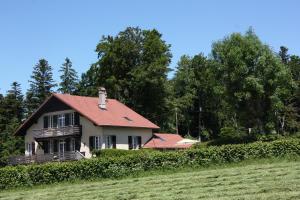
(263, 180)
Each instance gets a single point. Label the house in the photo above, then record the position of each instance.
(66, 124)
(167, 141)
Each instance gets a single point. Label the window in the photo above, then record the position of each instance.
(29, 149)
(134, 142)
(62, 146)
(110, 142)
(33, 148)
(72, 119)
(51, 146)
(61, 120)
(45, 147)
(95, 143)
(72, 144)
(57, 121)
(67, 119)
(54, 121)
(46, 121)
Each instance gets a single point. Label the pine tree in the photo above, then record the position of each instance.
(69, 78)
(41, 85)
(14, 101)
(11, 114)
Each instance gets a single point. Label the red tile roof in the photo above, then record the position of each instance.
(166, 141)
(115, 114)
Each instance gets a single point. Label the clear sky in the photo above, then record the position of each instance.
(34, 29)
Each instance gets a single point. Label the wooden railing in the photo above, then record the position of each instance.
(55, 132)
(66, 156)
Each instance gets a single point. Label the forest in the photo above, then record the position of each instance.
(242, 91)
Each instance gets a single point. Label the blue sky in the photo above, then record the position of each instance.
(34, 29)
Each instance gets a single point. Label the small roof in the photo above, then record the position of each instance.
(115, 114)
(167, 141)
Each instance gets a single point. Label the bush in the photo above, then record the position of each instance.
(119, 152)
(113, 166)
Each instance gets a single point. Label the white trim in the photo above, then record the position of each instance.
(97, 142)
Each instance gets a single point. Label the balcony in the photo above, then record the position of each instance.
(57, 132)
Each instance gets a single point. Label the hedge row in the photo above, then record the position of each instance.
(105, 153)
(110, 167)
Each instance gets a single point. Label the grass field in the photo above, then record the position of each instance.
(263, 180)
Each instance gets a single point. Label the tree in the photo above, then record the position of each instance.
(69, 78)
(197, 97)
(41, 85)
(255, 81)
(283, 53)
(132, 66)
(293, 110)
(14, 102)
(11, 114)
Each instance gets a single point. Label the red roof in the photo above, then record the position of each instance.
(115, 114)
(166, 141)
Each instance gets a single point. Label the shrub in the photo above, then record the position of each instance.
(110, 165)
(119, 152)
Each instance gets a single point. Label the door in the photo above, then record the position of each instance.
(62, 148)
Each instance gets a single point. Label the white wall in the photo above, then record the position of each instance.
(122, 134)
(89, 129)
(29, 137)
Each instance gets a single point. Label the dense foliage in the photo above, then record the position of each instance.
(11, 114)
(133, 68)
(119, 166)
(242, 86)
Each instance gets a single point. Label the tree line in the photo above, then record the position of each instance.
(242, 89)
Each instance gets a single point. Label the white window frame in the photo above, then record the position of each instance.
(61, 120)
(29, 148)
(97, 142)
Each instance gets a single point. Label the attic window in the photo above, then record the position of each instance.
(128, 119)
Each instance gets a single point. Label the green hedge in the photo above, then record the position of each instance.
(119, 152)
(111, 167)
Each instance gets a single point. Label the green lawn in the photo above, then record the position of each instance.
(275, 180)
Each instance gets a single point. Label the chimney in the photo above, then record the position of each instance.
(102, 98)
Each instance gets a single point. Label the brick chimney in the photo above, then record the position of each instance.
(102, 98)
